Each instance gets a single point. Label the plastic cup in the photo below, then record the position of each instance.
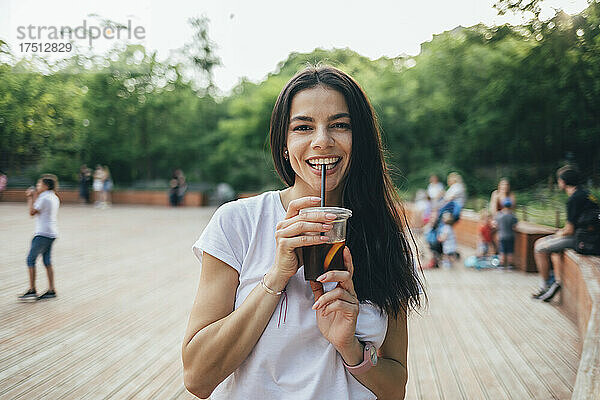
(326, 256)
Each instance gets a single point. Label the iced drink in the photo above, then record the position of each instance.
(329, 255)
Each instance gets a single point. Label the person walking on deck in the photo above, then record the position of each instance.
(43, 203)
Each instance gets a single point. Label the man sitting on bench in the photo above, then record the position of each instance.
(579, 200)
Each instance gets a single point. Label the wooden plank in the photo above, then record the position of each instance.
(55, 337)
(413, 372)
(534, 383)
(108, 277)
(466, 327)
(144, 377)
(115, 331)
(466, 373)
(74, 364)
(484, 285)
(144, 354)
(541, 338)
(426, 375)
(445, 369)
(184, 395)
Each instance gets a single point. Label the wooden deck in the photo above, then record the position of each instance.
(126, 279)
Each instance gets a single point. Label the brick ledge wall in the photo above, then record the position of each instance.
(145, 197)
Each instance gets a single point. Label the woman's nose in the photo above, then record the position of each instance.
(322, 138)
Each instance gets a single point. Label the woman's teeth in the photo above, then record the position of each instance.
(329, 163)
(327, 166)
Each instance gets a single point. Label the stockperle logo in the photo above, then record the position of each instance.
(84, 31)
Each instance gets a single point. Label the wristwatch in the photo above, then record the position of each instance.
(369, 360)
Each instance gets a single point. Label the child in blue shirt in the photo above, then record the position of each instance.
(447, 237)
(505, 222)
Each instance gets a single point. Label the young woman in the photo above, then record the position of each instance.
(500, 195)
(98, 185)
(257, 329)
(107, 187)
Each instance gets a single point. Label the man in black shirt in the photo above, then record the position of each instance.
(579, 201)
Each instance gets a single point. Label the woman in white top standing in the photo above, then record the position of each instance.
(257, 329)
(107, 187)
(435, 190)
(98, 185)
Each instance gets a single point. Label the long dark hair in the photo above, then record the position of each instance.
(385, 272)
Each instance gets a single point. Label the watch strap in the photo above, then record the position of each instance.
(365, 365)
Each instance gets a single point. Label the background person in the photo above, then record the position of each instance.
(249, 257)
(177, 188)
(181, 187)
(454, 199)
(579, 201)
(500, 195)
(98, 185)
(85, 177)
(447, 238)
(174, 190)
(3, 182)
(107, 187)
(505, 222)
(435, 190)
(486, 230)
(43, 203)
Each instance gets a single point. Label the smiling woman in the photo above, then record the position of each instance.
(320, 134)
(342, 336)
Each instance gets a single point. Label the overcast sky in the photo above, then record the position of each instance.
(253, 36)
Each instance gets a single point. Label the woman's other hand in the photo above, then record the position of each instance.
(337, 310)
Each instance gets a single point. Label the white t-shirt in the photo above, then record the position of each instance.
(457, 193)
(47, 205)
(294, 360)
(435, 190)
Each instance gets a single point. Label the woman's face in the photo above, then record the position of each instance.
(503, 186)
(319, 135)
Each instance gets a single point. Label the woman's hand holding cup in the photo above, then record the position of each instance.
(337, 310)
(294, 232)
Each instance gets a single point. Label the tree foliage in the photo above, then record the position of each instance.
(487, 101)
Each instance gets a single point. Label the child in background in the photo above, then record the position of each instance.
(423, 208)
(486, 231)
(505, 221)
(431, 236)
(447, 237)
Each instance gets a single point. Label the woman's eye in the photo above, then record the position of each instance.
(301, 128)
(341, 125)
